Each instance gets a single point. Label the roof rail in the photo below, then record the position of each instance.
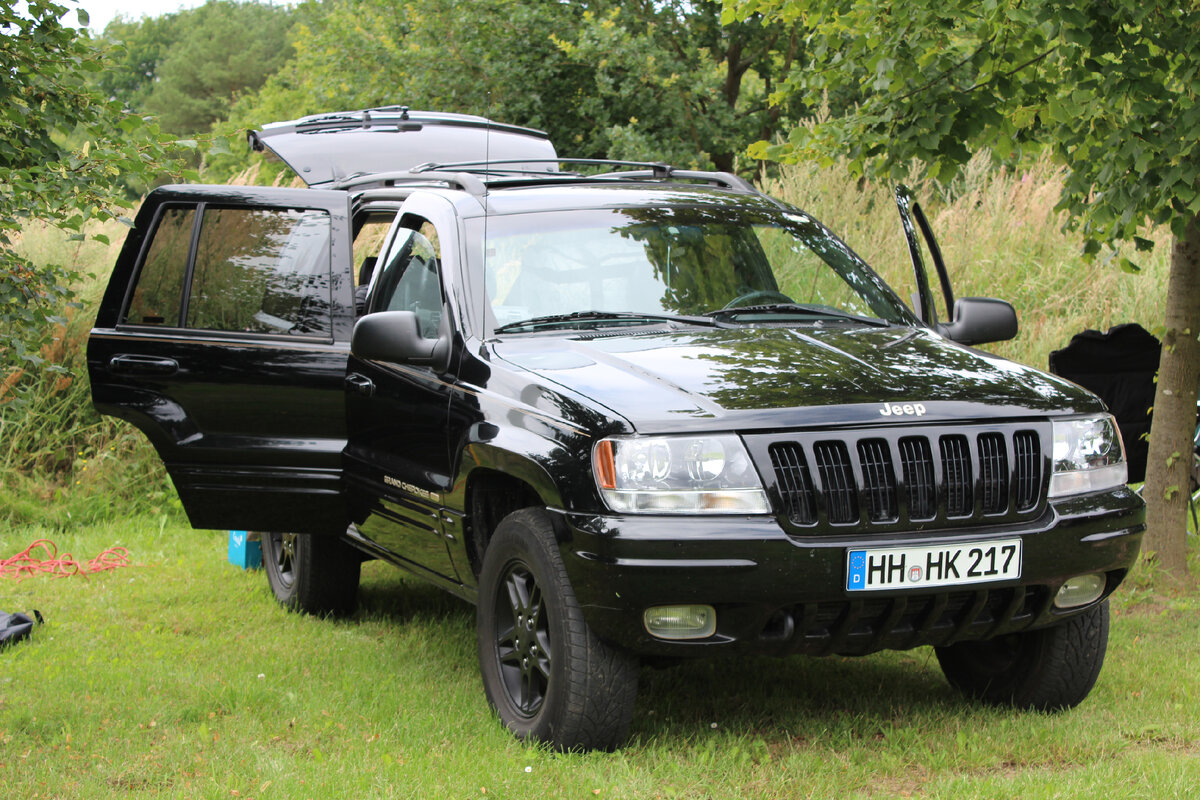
(646, 170)
(464, 181)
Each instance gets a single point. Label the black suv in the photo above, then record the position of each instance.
(641, 413)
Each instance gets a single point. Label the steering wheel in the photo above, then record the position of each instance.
(754, 298)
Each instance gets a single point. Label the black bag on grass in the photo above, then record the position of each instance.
(15, 627)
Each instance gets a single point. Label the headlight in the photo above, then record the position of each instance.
(678, 475)
(1088, 456)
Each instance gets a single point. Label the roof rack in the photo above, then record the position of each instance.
(645, 170)
(463, 181)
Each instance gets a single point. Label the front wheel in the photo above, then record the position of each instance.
(313, 574)
(545, 673)
(1049, 669)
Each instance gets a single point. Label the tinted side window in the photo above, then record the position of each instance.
(261, 271)
(158, 294)
(411, 281)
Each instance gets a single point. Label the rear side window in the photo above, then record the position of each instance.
(252, 271)
(158, 295)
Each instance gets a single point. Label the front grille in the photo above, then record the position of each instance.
(920, 478)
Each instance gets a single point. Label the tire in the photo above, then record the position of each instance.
(1048, 670)
(314, 574)
(545, 673)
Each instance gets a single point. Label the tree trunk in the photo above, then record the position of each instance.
(1169, 463)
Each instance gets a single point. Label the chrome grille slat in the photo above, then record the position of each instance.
(993, 473)
(1027, 473)
(919, 483)
(956, 466)
(800, 502)
(879, 480)
(837, 482)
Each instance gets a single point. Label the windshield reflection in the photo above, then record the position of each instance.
(681, 261)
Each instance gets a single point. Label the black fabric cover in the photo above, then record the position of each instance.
(1119, 366)
(15, 627)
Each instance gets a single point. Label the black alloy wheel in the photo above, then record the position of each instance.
(311, 573)
(549, 678)
(523, 643)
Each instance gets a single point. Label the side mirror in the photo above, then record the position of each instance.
(395, 336)
(979, 320)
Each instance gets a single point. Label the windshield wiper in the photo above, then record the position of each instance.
(622, 317)
(821, 312)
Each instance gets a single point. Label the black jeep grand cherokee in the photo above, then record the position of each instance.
(644, 413)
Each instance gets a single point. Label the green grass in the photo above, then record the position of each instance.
(181, 677)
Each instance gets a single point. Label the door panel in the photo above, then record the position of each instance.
(223, 336)
(398, 459)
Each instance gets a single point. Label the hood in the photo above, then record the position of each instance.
(327, 148)
(760, 378)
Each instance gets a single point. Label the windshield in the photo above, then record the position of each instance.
(742, 266)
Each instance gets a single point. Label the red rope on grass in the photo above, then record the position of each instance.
(25, 563)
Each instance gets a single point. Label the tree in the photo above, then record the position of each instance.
(47, 99)
(669, 82)
(607, 78)
(190, 66)
(488, 57)
(1109, 86)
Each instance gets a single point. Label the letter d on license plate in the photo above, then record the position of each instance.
(957, 564)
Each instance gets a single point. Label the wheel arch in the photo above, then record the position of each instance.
(499, 480)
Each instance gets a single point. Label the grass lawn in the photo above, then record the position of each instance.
(181, 677)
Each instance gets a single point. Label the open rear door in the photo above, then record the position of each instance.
(223, 336)
(328, 148)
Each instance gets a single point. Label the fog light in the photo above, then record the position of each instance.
(681, 622)
(1079, 591)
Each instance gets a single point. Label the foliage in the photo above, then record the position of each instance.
(669, 82)
(477, 56)
(617, 78)
(45, 97)
(188, 67)
(1110, 87)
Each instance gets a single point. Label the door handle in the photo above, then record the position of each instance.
(360, 384)
(127, 364)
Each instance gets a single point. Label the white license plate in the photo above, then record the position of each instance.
(959, 564)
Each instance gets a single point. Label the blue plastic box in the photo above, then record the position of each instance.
(245, 550)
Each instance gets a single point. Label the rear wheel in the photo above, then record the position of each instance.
(545, 673)
(1049, 669)
(313, 574)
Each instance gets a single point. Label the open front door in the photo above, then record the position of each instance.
(969, 320)
(911, 218)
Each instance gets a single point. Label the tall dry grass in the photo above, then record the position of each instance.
(1001, 237)
(60, 461)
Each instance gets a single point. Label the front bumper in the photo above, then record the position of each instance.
(780, 594)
